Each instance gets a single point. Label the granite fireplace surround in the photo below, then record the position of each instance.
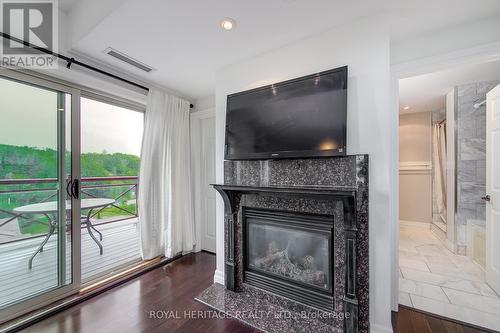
(330, 186)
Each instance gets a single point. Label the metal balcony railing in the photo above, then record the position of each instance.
(19, 192)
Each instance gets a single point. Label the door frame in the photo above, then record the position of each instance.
(195, 119)
(47, 297)
(474, 55)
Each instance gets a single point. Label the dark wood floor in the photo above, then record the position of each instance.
(172, 289)
(408, 320)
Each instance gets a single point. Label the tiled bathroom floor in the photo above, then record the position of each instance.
(433, 279)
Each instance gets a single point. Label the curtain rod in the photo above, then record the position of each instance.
(71, 61)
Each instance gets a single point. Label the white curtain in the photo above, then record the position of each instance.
(165, 206)
(439, 157)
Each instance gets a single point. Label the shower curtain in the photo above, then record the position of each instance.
(439, 161)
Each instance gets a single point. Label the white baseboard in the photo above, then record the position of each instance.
(219, 277)
(415, 224)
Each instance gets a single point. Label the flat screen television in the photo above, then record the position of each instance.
(303, 117)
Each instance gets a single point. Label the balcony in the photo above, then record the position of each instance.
(21, 235)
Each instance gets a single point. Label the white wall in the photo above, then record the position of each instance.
(478, 33)
(415, 184)
(204, 103)
(415, 137)
(364, 47)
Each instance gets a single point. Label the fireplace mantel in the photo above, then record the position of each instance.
(340, 191)
(231, 195)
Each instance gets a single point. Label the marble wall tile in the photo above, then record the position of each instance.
(472, 149)
(481, 171)
(468, 171)
(467, 128)
(484, 87)
(471, 193)
(481, 124)
(481, 210)
(466, 211)
(467, 108)
(466, 93)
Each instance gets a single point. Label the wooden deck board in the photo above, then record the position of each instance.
(120, 243)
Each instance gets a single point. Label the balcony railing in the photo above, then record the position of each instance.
(19, 192)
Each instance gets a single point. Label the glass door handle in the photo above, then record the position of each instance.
(68, 190)
(75, 189)
(486, 198)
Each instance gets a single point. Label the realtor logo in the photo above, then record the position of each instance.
(34, 22)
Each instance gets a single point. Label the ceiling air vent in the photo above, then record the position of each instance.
(129, 60)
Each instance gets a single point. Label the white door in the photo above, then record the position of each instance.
(493, 188)
(207, 127)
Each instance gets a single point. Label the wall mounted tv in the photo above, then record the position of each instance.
(303, 117)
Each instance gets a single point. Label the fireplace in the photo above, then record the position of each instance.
(296, 240)
(289, 254)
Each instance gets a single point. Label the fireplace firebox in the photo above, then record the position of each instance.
(289, 254)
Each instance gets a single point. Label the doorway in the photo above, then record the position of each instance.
(442, 178)
(203, 162)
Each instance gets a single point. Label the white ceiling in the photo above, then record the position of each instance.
(182, 40)
(427, 92)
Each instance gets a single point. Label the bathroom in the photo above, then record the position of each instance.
(443, 194)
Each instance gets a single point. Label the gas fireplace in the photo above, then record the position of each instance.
(289, 254)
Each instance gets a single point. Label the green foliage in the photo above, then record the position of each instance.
(26, 162)
(18, 162)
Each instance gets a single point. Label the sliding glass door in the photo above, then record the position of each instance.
(39, 205)
(111, 137)
(68, 190)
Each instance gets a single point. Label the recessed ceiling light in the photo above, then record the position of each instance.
(227, 23)
(406, 108)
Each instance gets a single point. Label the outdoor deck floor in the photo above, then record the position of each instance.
(120, 243)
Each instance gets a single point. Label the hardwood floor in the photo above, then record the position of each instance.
(127, 308)
(172, 289)
(410, 321)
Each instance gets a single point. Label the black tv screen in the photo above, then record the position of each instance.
(304, 117)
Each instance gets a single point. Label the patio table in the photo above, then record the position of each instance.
(50, 209)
